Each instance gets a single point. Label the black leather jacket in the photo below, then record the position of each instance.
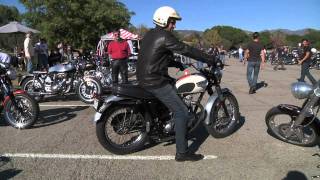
(156, 55)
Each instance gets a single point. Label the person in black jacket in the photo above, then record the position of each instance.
(155, 56)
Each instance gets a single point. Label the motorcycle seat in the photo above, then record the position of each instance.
(131, 90)
(39, 72)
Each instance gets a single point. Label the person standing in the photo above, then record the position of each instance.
(43, 55)
(119, 52)
(29, 52)
(281, 57)
(240, 51)
(255, 56)
(305, 62)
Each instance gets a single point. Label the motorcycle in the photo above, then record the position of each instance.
(59, 80)
(315, 61)
(297, 125)
(100, 79)
(130, 116)
(19, 109)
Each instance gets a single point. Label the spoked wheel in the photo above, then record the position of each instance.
(224, 116)
(22, 115)
(280, 126)
(33, 88)
(87, 89)
(122, 130)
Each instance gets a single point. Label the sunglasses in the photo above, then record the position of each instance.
(173, 22)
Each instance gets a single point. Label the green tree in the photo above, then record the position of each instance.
(230, 37)
(79, 23)
(7, 14)
(212, 37)
(265, 39)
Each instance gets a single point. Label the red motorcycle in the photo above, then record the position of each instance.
(20, 110)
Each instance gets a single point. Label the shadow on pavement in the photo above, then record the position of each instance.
(261, 84)
(198, 136)
(7, 173)
(295, 175)
(57, 115)
(66, 97)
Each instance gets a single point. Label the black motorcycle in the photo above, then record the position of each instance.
(297, 125)
(130, 116)
(19, 109)
(315, 61)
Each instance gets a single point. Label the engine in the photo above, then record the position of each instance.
(59, 82)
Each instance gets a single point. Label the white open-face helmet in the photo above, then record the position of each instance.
(162, 14)
(313, 50)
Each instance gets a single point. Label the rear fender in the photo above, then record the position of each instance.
(108, 102)
(24, 78)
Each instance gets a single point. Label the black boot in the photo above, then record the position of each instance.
(252, 90)
(180, 157)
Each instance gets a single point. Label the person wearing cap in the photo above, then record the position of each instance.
(255, 56)
(305, 62)
(155, 56)
(29, 52)
(119, 52)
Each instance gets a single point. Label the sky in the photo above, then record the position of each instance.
(251, 15)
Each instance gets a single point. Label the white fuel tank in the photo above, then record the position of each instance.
(194, 83)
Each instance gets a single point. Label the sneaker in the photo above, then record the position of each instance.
(180, 157)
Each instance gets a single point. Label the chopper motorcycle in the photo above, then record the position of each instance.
(130, 116)
(297, 125)
(59, 80)
(20, 110)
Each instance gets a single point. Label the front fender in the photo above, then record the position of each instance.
(290, 109)
(209, 106)
(7, 98)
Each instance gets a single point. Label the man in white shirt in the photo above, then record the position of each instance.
(29, 52)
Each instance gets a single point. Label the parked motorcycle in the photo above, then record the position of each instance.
(59, 80)
(130, 116)
(100, 79)
(297, 125)
(19, 109)
(315, 61)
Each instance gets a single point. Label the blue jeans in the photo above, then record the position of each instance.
(168, 96)
(240, 57)
(30, 66)
(253, 69)
(306, 72)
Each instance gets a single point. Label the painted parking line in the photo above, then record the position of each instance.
(99, 157)
(64, 105)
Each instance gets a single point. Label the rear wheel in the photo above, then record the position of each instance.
(33, 88)
(224, 116)
(121, 130)
(22, 115)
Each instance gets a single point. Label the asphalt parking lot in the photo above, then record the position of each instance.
(63, 144)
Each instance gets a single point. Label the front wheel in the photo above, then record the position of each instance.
(224, 116)
(279, 125)
(122, 130)
(21, 112)
(86, 90)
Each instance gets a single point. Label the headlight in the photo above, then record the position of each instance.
(12, 74)
(301, 90)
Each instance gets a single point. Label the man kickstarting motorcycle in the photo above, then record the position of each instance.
(155, 56)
